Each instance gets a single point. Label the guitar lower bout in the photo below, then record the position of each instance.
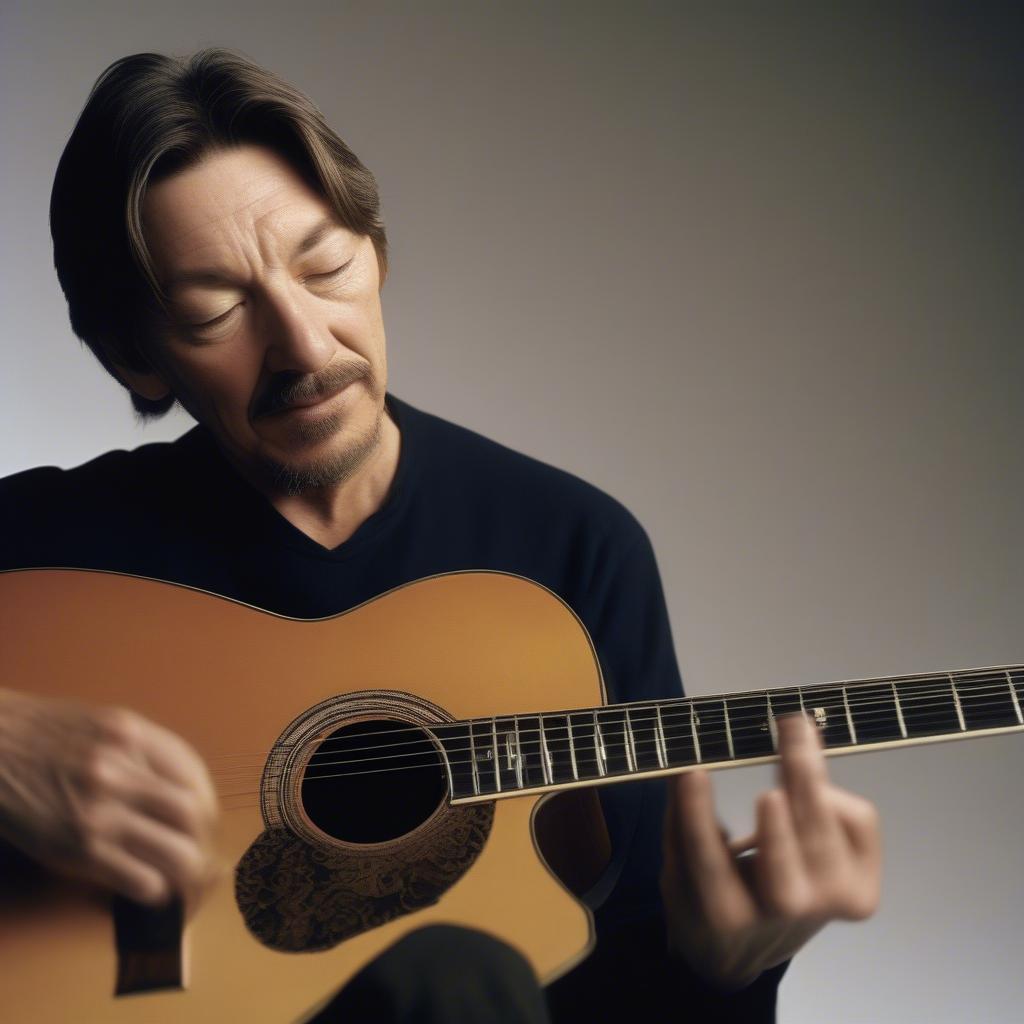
(327, 863)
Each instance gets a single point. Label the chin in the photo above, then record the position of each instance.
(332, 451)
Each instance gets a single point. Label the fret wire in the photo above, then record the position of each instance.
(899, 710)
(472, 756)
(728, 731)
(630, 748)
(849, 717)
(693, 732)
(545, 755)
(572, 748)
(497, 756)
(516, 759)
(599, 751)
(659, 739)
(956, 700)
(1013, 694)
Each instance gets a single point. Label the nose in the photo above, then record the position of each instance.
(297, 337)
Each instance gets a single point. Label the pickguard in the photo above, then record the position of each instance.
(299, 897)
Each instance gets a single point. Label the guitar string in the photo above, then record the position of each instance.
(611, 738)
(671, 719)
(435, 761)
(698, 703)
(864, 720)
(999, 685)
(508, 775)
(582, 732)
(995, 685)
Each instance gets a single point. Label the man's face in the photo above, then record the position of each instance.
(277, 339)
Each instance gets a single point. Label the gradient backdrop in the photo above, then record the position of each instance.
(753, 269)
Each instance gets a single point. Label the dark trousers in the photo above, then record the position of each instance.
(441, 974)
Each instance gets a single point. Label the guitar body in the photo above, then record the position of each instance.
(298, 909)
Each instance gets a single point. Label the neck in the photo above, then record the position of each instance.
(505, 756)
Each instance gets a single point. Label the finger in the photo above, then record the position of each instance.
(706, 859)
(783, 885)
(166, 753)
(177, 760)
(804, 777)
(119, 776)
(859, 820)
(180, 861)
(114, 868)
(174, 806)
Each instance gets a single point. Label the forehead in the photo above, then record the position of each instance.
(233, 203)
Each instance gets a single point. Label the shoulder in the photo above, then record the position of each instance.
(56, 516)
(478, 468)
(101, 475)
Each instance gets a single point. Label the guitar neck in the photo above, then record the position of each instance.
(512, 755)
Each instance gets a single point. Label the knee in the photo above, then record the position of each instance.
(445, 972)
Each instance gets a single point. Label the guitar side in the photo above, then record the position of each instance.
(231, 679)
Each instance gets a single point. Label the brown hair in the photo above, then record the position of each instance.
(147, 117)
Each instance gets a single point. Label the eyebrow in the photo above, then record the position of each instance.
(213, 276)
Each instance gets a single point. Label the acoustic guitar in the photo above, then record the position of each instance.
(378, 770)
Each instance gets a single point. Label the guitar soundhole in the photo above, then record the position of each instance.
(372, 781)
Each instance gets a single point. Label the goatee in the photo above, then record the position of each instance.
(327, 470)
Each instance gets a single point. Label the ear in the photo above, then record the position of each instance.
(145, 383)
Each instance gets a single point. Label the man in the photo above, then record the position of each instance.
(219, 246)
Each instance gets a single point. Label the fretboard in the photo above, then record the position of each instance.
(509, 755)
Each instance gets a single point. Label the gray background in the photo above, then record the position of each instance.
(754, 270)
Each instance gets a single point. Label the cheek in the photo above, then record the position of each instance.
(220, 379)
(357, 329)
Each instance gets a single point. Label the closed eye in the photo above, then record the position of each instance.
(331, 273)
(312, 277)
(217, 320)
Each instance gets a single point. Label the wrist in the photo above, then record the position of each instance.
(722, 972)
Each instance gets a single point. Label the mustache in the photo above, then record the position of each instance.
(285, 389)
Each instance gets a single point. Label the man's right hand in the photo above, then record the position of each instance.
(105, 795)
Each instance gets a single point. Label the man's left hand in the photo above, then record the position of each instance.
(816, 858)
